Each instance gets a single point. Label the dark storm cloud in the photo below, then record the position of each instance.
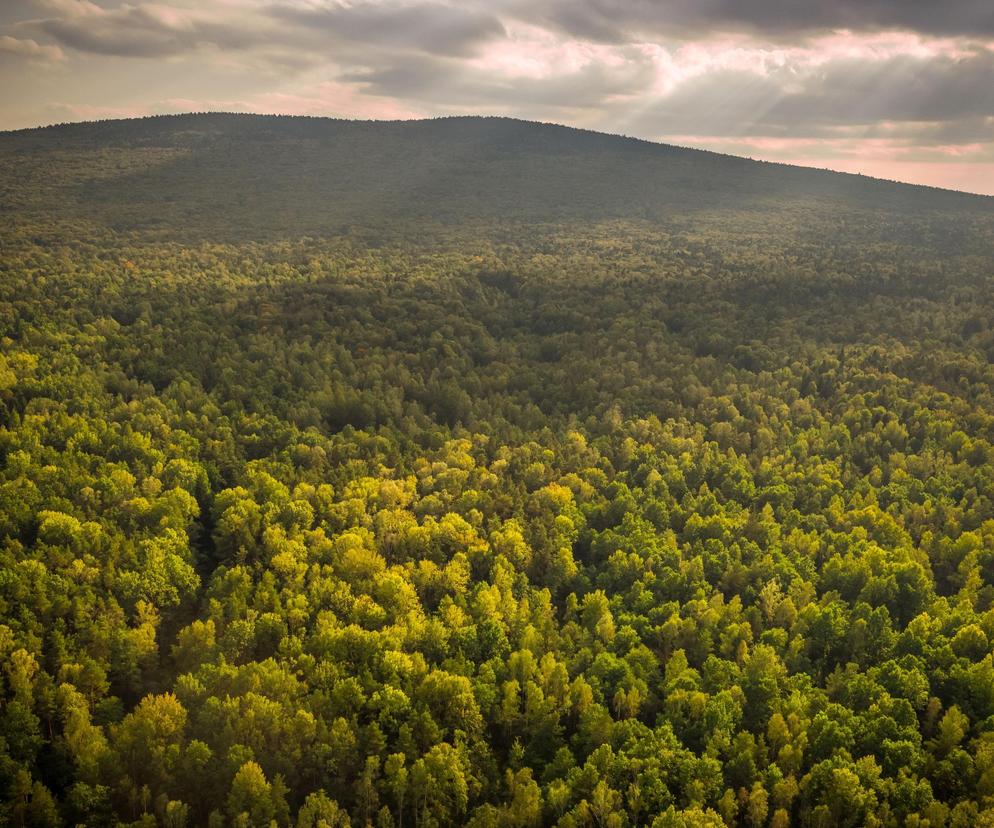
(622, 20)
(431, 27)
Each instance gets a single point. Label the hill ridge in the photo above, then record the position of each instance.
(231, 176)
(466, 119)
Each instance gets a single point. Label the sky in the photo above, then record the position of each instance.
(900, 89)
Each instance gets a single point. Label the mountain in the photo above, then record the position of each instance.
(249, 176)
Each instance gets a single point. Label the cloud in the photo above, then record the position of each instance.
(586, 84)
(314, 32)
(624, 20)
(804, 98)
(903, 88)
(27, 48)
(149, 31)
(429, 27)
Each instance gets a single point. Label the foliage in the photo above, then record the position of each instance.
(625, 517)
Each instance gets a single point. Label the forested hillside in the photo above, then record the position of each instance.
(253, 178)
(480, 472)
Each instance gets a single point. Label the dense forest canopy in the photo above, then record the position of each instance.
(475, 471)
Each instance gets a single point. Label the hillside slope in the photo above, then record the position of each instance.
(248, 176)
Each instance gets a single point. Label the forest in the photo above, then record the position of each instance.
(489, 473)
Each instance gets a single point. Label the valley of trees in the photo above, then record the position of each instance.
(660, 495)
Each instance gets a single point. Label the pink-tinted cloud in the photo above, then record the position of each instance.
(970, 178)
(30, 49)
(967, 167)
